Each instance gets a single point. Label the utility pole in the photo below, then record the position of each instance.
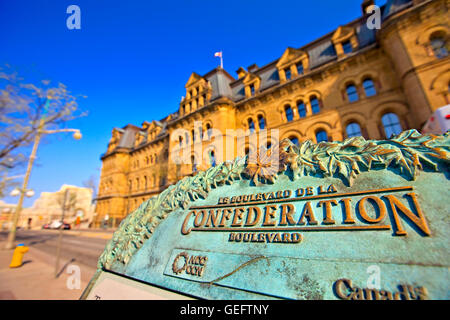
(58, 247)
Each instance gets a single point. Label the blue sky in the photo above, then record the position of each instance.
(132, 58)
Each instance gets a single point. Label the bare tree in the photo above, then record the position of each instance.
(24, 107)
(91, 183)
(67, 202)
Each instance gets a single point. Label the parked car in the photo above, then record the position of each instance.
(56, 224)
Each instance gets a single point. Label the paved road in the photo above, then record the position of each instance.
(84, 250)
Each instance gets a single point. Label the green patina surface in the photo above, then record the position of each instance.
(149, 240)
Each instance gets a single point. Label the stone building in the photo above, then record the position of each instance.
(48, 207)
(354, 81)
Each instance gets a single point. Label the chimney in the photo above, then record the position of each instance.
(365, 4)
(252, 68)
(241, 72)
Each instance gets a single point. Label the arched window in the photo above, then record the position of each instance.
(294, 140)
(301, 109)
(289, 114)
(321, 135)
(180, 140)
(439, 45)
(369, 87)
(352, 93)
(251, 125)
(208, 130)
(212, 159)
(193, 135)
(261, 122)
(194, 165)
(145, 183)
(315, 106)
(391, 124)
(353, 130)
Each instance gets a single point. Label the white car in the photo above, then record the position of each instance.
(439, 122)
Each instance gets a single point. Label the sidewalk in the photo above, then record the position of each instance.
(91, 233)
(35, 279)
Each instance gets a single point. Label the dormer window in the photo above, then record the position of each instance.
(293, 62)
(252, 89)
(288, 74)
(347, 47)
(345, 41)
(300, 69)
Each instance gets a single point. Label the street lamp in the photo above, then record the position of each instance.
(24, 191)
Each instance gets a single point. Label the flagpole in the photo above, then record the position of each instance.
(221, 59)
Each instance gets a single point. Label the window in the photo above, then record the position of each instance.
(315, 106)
(369, 88)
(352, 93)
(251, 125)
(294, 140)
(353, 130)
(145, 182)
(391, 124)
(300, 69)
(193, 135)
(439, 47)
(194, 165)
(301, 109)
(180, 140)
(204, 99)
(289, 114)
(261, 122)
(321, 136)
(252, 89)
(212, 159)
(347, 46)
(208, 130)
(288, 74)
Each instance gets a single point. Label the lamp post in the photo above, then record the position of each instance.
(24, 190)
